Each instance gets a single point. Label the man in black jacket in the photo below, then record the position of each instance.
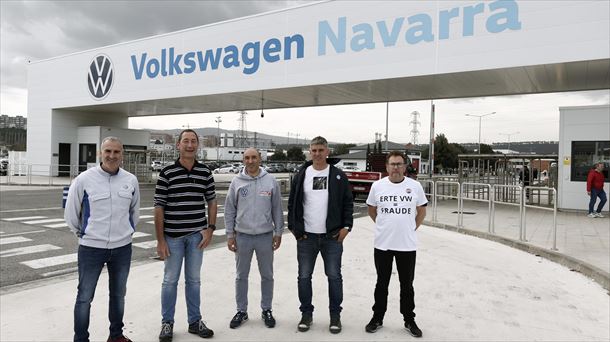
(320, 211)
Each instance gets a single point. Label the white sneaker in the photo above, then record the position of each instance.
(599, 215)
(592, 215)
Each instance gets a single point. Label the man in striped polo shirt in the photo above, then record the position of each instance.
(183, 231)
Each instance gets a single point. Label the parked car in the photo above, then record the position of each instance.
(229, 168)
(3, 167)
(156, 165)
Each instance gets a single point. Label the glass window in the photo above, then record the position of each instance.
(587, 153)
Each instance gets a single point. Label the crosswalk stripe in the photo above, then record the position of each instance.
(27, 250)
(146, 244)
(146, 216)
(23, 218)
(219, 232)
(44, 221)
(56, 225)
(147, 208)
(15, 239)
(52, 261)
(139, 234)
(150, 222)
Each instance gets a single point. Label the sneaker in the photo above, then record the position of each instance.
(305, 323)
(335, 324)
(200, 329)
(373, 325)
(268, 318)
(413, 329)
(238, 319)
(599, 215)
(121, 338)
(592, 215)
(167, 332)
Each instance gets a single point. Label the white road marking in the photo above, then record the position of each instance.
(27, 250)
(146, 244)
(52, 261)
(147, 208)
(150, 222)
(23, 218)
(16, 239)
(146, 216)
(139, 234)
(44, 221)
(31, 209)
(58, 272)
(220, 232)
(56, 225)
(22, 233)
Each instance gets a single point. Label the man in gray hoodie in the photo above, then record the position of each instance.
(254, 222)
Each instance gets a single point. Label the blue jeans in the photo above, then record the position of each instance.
(595, 193)
(90, 263)
(307, 252)
(182, 248)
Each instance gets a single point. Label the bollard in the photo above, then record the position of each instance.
(64, 197)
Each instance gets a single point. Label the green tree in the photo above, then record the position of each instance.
(342, 149)
(295, 153)
(278, 155)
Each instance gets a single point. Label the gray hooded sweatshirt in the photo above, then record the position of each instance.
(254, 205)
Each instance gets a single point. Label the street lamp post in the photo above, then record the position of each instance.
(508, 136)
(218, 121)
(480, 116)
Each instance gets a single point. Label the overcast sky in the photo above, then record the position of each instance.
(35, 30)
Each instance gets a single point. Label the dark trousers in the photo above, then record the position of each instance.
(405, 263)
(595, 193)
(90, 263)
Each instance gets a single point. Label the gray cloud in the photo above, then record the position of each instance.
(35, 30)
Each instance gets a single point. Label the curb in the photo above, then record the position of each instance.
(595, 273)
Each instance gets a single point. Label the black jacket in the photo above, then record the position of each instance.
(340, 202)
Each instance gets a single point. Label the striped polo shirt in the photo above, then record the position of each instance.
(183, 194)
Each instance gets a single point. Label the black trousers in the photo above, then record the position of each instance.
(405, 264)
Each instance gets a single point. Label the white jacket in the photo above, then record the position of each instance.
(103, 209)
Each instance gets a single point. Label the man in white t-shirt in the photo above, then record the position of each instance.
(397, 205)
(320, 209)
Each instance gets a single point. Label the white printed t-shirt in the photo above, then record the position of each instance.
(315, 199)
(396, 210)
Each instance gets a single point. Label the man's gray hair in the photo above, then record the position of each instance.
(319, 141)
(115, 139)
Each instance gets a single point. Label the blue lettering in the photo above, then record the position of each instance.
(508, 19)
(469, 13)
(163, 66)
(272, 46)
(298, 39)
(174, 62)
(210, 59)
(189, 61)
(389, 39)
(231, 57)
(152, 68)
(138, 70)
(444, 18)
(364, 39)
(336, 40)
(251, 63)
(424, 27)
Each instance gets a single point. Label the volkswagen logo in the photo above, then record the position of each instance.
(100, 77)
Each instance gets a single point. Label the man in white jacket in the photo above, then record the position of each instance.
(102, 209)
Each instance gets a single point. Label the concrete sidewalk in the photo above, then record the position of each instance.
(466, 289)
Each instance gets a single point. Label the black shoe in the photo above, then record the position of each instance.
(268, 318)
(374, 325)
(200, 329)
(335, 324)
(305, 323)
(238, 319)
(413, 329)
(167, 332)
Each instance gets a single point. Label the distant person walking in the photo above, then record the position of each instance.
(102, 209)
(254, 222)
(397, 205)
(183, 231)
(595, 189)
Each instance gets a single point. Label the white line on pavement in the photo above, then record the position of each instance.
(52, 261)
(56, 225)
(31, 209)
(58, 272)
(27, 250)
(147, 208)
(23, 233)
(146, 216)
(146, 244)
(44, 221)
(139, 234)
(16, 239)
(23, 218)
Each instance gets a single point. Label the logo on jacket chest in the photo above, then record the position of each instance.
(243, 192)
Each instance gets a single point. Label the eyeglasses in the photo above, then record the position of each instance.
(397, 164)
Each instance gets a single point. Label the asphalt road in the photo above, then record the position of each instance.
(36, 244)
